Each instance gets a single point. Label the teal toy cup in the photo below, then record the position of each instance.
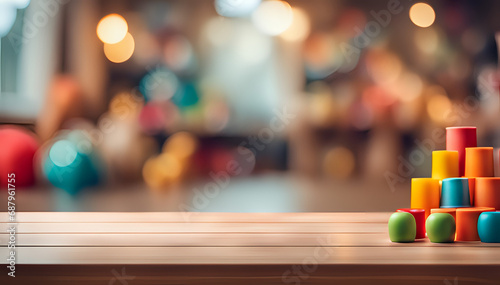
(488, 227)
(455, 193)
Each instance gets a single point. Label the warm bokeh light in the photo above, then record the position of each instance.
(384, 67)
(422, 15)
(178, 54)
(407, 87)
(339, 162)
(321, 55)
(181, 144)
(121, 51)
(273, 17)
(300, 28)
(112, 29)
(125, 105)
(427, 40)
(438, 108)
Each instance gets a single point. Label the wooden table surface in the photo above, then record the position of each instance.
(188, 248)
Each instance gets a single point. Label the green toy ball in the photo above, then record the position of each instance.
(402, 227)
(440, 227)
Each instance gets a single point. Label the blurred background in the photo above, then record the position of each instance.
(238, 105)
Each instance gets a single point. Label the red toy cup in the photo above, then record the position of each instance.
(459, 138)
(419, 215)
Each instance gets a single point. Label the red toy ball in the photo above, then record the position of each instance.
(17, 149)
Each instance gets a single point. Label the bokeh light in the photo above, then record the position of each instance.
(216, 115)
(181, 144)
(339, 162)
(178, 54)
(218, 32)
(112, 29)
(125, 105)
(231, 8)
(162, 171)
(152, 118)
(383, 66)
(121, 51)
(321, 55)
(427, 40)
(439, 107)
(159, 84)
(422, 15)
(407, 87)
(300, 27)
(273, 17)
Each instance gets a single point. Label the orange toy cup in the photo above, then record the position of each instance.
(467, 223)
(487, 192)
(444, 164)
(459, 138)
(425, 194)
(451, 211)
(479, 162)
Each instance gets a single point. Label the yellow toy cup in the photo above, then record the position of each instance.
(425, 194)
(444, 164)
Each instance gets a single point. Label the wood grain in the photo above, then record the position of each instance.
(236, 248)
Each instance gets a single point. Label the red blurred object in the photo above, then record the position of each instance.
(17, 149)
(419, 215)
(152, 118)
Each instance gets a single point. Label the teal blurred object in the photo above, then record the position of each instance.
(455, 193)
(72, 163)
(186, 96)
(488, 227)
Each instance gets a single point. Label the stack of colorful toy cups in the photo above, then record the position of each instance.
(462, 195)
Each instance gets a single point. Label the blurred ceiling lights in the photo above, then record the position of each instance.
(422, 15)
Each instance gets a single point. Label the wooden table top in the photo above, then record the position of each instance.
(234, 248)
(226, 238)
